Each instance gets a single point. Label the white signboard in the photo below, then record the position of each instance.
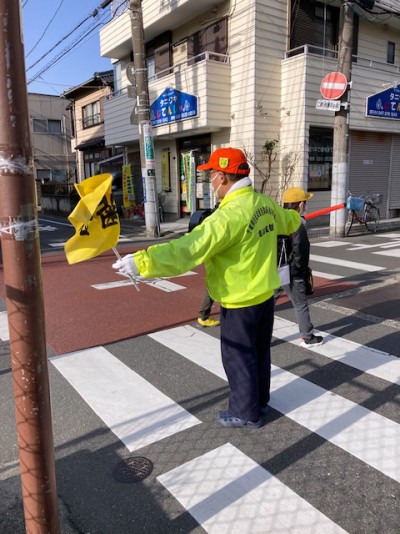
(328, 105)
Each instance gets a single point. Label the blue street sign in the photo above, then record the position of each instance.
(384, 105)
(171, 106)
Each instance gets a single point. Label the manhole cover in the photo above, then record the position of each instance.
(133, 469)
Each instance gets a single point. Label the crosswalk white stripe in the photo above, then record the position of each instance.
(328, 276)
(346, 263)
(226, 491)
(160, 283)
(4, 332)
(137, 412)
(372, 361)
(385, 235)
(330, 244)
(163, 285)
(393, 253)
(366, 435)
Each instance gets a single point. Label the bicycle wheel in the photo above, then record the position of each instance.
(372, 217)
(349, 222)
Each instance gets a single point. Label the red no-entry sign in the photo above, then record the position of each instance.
(333, 85)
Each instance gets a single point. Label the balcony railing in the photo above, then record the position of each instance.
(207, 76)
(312, 50)
(179, 67)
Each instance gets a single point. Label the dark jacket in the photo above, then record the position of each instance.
(298, 251)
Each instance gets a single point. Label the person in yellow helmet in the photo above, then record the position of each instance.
(238, 245)
(298, 251)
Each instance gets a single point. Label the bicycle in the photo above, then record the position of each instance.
(362, 210)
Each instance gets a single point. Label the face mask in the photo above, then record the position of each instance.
(216, 191)
(303, 211)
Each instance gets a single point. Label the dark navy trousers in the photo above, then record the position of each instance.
(246, 356)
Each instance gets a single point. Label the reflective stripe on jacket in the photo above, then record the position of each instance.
(237, 243)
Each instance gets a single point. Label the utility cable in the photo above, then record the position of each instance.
(66, 50)
(45, 30)
(93, 14)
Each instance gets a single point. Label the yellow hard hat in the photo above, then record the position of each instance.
(295, 194)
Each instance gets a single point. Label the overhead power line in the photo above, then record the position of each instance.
(83, 35)
(46, 28)
(94, 13)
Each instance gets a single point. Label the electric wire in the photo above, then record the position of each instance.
(46, 28)
(68, 48)
(93, 14)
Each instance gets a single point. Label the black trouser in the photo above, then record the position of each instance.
(246, 356)
(206, 305)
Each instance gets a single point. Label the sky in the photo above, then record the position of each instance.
(45, 23)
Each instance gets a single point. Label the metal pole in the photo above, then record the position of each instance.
(23, 284)
(341, 126)
(146, 140)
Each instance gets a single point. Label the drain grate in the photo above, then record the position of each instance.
(133, 469)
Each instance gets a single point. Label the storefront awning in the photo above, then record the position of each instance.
(91, 144)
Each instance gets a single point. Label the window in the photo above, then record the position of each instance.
(117, 78)
(317, 24)
(59, 175)
(46, 126)
(151, 68)
(43, 175)
(54, 127)
(320, 153)
(391, 52)
(159, 56)
(211, 39)
(91, 114)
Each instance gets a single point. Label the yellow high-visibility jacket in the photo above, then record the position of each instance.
(238, 245)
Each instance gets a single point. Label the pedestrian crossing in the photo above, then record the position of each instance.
(225, 487)
(327, 458)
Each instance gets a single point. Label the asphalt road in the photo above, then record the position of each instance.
(145, 381)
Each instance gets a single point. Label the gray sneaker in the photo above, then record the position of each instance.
(314, 341)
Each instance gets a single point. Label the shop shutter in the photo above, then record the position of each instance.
(394, 183)
(369, 167)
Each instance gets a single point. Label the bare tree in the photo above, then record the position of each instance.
(273, 163)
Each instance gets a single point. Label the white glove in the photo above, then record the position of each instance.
(126, 266)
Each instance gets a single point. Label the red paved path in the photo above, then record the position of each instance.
(79, 316)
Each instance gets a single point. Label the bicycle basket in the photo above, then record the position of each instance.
(355, 203)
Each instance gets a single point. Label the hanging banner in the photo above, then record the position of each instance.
(165, 170)
(148, 142)
(128, 192)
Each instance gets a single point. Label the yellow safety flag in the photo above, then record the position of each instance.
(95, 219)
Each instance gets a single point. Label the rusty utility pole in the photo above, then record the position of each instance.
(341, 132)
(23, 284)
(142, 109)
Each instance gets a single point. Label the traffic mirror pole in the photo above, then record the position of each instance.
(340, 164)
(142, 109)
(23, 284)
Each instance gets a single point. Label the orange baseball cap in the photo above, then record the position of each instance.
(230, 160)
